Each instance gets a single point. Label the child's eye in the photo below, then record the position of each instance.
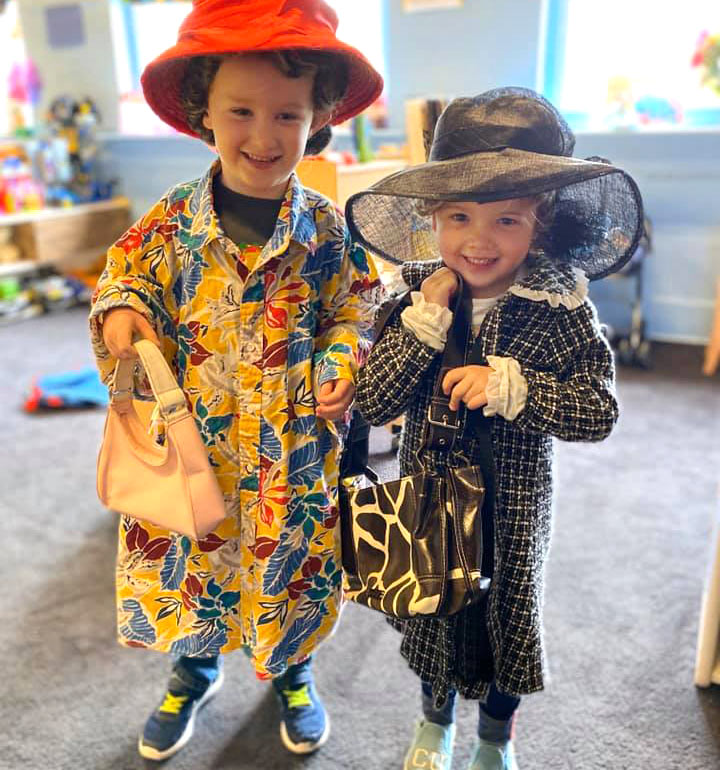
(288, 116)
(242, 112)
(507, 221)
(459, 217)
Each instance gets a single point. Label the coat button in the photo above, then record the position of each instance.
(249, 468)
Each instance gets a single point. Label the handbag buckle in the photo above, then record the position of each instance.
(439, 414)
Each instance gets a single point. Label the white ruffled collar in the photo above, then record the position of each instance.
(541, 280)
(547, 281)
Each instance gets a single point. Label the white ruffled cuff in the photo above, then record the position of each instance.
(392, 278)
(428, 321)
(506, 388)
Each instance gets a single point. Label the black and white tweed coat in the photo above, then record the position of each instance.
(547, 323)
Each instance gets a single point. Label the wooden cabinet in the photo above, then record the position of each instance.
(712, 351)
(72, 237)
(339, 182)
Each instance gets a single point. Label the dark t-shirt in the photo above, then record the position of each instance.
(245, 220)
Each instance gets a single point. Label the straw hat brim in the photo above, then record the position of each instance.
(598, 209)
(488, 176)
(162, 79)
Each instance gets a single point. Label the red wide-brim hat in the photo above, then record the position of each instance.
(237, 26)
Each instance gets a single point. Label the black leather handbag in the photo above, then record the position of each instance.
(413, 547)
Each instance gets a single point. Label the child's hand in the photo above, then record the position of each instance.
(334, 399)
(440, 287)
(467, 384)
(118, 327)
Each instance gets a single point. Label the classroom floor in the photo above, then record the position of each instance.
(633, 520)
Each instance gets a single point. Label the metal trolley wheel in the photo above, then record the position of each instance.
(635, 356)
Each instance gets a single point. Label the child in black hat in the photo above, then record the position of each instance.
(502, 203)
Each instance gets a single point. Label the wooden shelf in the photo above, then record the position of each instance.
(61, 212)
(21, 267)
(71, 237)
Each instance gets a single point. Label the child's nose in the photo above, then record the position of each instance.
(480, 240)
(262, 135)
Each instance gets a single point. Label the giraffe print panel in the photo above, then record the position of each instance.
(413, 547)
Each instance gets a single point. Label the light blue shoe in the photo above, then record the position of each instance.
(431, 748)
(493, 756)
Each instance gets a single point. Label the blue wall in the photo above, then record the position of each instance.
(679, 177)
(459, 51)
(146, 167)
(484, 44)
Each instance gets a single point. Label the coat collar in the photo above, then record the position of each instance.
(545, 280)
(295, 219)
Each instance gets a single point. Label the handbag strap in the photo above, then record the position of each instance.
(167, 392)
(444, 425)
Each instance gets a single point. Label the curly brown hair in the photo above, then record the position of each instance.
(329, 85)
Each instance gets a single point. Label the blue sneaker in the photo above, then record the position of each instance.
(493, 756)
(171, 725)
(432, 747)
(304, 725)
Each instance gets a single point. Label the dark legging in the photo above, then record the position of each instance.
(498, 705)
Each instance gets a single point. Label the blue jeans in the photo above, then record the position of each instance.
(197, 673)
(200, 673)
(295, 677)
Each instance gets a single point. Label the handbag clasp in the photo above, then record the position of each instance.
(439, 414)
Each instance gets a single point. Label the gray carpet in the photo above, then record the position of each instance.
(634, 516)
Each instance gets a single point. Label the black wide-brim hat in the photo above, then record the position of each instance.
(505, 143)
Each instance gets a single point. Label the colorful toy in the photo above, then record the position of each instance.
(75, 122)
(68, 390)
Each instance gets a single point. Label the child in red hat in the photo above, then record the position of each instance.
(253, 290)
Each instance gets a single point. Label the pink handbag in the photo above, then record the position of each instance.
(170, 485)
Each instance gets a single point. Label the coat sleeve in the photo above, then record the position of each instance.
(578, 402)
(394, 371)
(136, 276)
(349, 298)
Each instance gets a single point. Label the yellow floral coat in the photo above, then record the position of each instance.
(252, 333)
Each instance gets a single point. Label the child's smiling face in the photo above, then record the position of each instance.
(261, 120)
(485, 242)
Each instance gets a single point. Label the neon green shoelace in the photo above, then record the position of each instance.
(173, 703)
(298, 698)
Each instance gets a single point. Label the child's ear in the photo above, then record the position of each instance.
(434, 221)
(206, 121)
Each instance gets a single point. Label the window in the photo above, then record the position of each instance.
(18, 77)
(622, 64)
(143, 30)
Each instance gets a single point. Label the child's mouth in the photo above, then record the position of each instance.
(260, 161)
(481, 262)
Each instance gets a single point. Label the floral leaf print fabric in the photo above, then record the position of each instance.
(251, 332)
